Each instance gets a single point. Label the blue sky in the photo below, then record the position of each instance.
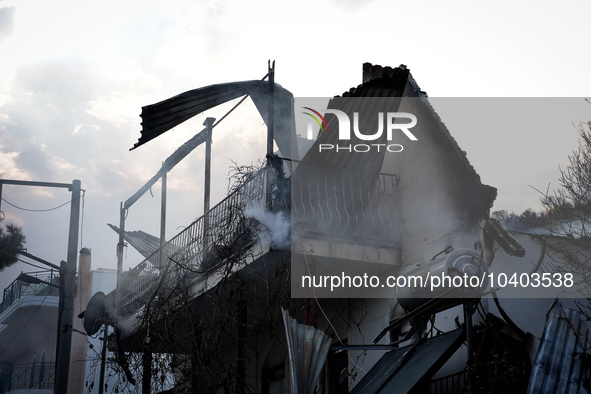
(75, 74)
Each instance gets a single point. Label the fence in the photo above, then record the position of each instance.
(346, 203)
(192, 246)
(455, 383)
(15, 290)
(27, 376)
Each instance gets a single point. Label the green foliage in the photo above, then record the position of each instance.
(12, 240)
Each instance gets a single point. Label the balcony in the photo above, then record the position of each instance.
(259, 216)
(16, 291)
(28, 317)
(31, 377)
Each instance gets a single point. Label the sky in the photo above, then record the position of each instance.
(75, 74)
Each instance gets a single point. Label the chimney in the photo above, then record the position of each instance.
(77, 374)
(371, 71)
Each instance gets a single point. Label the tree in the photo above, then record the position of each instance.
(12, 240)
(183, 338)
(570, 205)
(569, 211)
(529, 220)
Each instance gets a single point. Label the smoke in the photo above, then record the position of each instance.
(276, 228)
(127, 326)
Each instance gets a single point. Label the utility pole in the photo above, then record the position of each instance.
(63, 362)
(67, 279)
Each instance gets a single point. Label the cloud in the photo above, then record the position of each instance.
(66, 81)
(41, 164)
(7, 16)
(84, 128)
(351, 5)
(117, 109)
(10, 169)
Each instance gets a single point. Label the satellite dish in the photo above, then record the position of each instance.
(94, 316)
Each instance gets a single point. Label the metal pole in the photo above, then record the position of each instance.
(120, 246)
(207, 182)
(163, 218)
(207, 188)
(468, 324)
(469, 308)
(121, 243)
(271, 115)
(67, 281)
(103, 360)
(68, 186)
(69, 292)
(147, 370)
(60, 314)
(270, 133)
(33, 257)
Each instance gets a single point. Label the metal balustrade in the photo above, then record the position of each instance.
(455, 383)
(333, 203)
(29, 376)
(189, 249)
(344, 203)
(15, 291)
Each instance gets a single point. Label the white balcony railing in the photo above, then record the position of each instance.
(334, 203)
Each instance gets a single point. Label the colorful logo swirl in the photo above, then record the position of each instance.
(316, 119)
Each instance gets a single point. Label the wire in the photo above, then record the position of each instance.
(235, 106)
(231, 110)
(26, 262)
(31, 264)
(35, 210)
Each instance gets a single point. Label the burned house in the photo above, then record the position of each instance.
(315, 270)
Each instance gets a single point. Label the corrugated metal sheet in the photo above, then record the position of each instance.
(561, 363)
(146, 244)
(308, 348)
(163, 116)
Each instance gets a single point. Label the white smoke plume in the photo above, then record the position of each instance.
(276, 225)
